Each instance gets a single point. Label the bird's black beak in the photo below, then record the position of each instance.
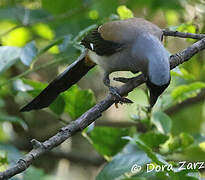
(153, 97)
(155, 91)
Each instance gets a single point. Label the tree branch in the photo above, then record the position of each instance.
(167, 32)
(91, 115)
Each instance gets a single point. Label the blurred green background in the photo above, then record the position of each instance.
(39, 38)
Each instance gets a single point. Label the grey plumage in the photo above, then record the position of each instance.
(125, 45)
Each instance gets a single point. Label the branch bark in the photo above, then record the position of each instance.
(167, 32)
(94, 113)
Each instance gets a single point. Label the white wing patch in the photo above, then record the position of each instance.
(92, 46)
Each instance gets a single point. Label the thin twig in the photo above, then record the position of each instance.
(167, 32)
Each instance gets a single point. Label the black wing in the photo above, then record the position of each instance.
(96, 43)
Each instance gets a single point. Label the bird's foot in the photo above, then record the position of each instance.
(122, 79)
(114, 91)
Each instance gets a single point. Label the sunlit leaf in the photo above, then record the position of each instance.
(183, 92)
(202, 146)
(54, 50)
(187, 28)
(28, 52)
(20, 86)
(124, 12)
(44, 31)
(8, 57)
(6, 26)
(93, 14)
(35, 84)
(172, 17)
(18, 37)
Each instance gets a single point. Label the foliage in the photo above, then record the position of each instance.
(36, 35)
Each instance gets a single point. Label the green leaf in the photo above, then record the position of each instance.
(186, 139)
(124, 12)
(194, 153)
(174, 143)
(184, 176)
(108, 141)
(28, 53)
(4, 117)
(13, 154)
(184, 92)
(8, 57)
(136, 178)
(123, 162)
(153, 139)
(183, 73)
(58, 105)
(74, 101)
(19, 85)
(34, 173)
(162, 121)
(78, 101)
(152, 155)
(105, 8)
(35, 84)
(190, 28)
(61, 6)
(182, 141)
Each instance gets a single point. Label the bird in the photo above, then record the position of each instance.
(133, 45)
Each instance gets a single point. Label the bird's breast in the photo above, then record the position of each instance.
(120, 61)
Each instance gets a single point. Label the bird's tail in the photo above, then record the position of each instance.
(65, 80)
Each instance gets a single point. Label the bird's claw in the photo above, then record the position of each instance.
(118, 97)
(114, 92)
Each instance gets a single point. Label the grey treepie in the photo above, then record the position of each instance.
(124, 45)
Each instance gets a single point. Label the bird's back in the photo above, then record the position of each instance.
(122, 31)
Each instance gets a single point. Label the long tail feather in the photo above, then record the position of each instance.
(65, 80)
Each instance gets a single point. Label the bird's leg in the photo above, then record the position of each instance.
(114, 90)
(125, 80)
